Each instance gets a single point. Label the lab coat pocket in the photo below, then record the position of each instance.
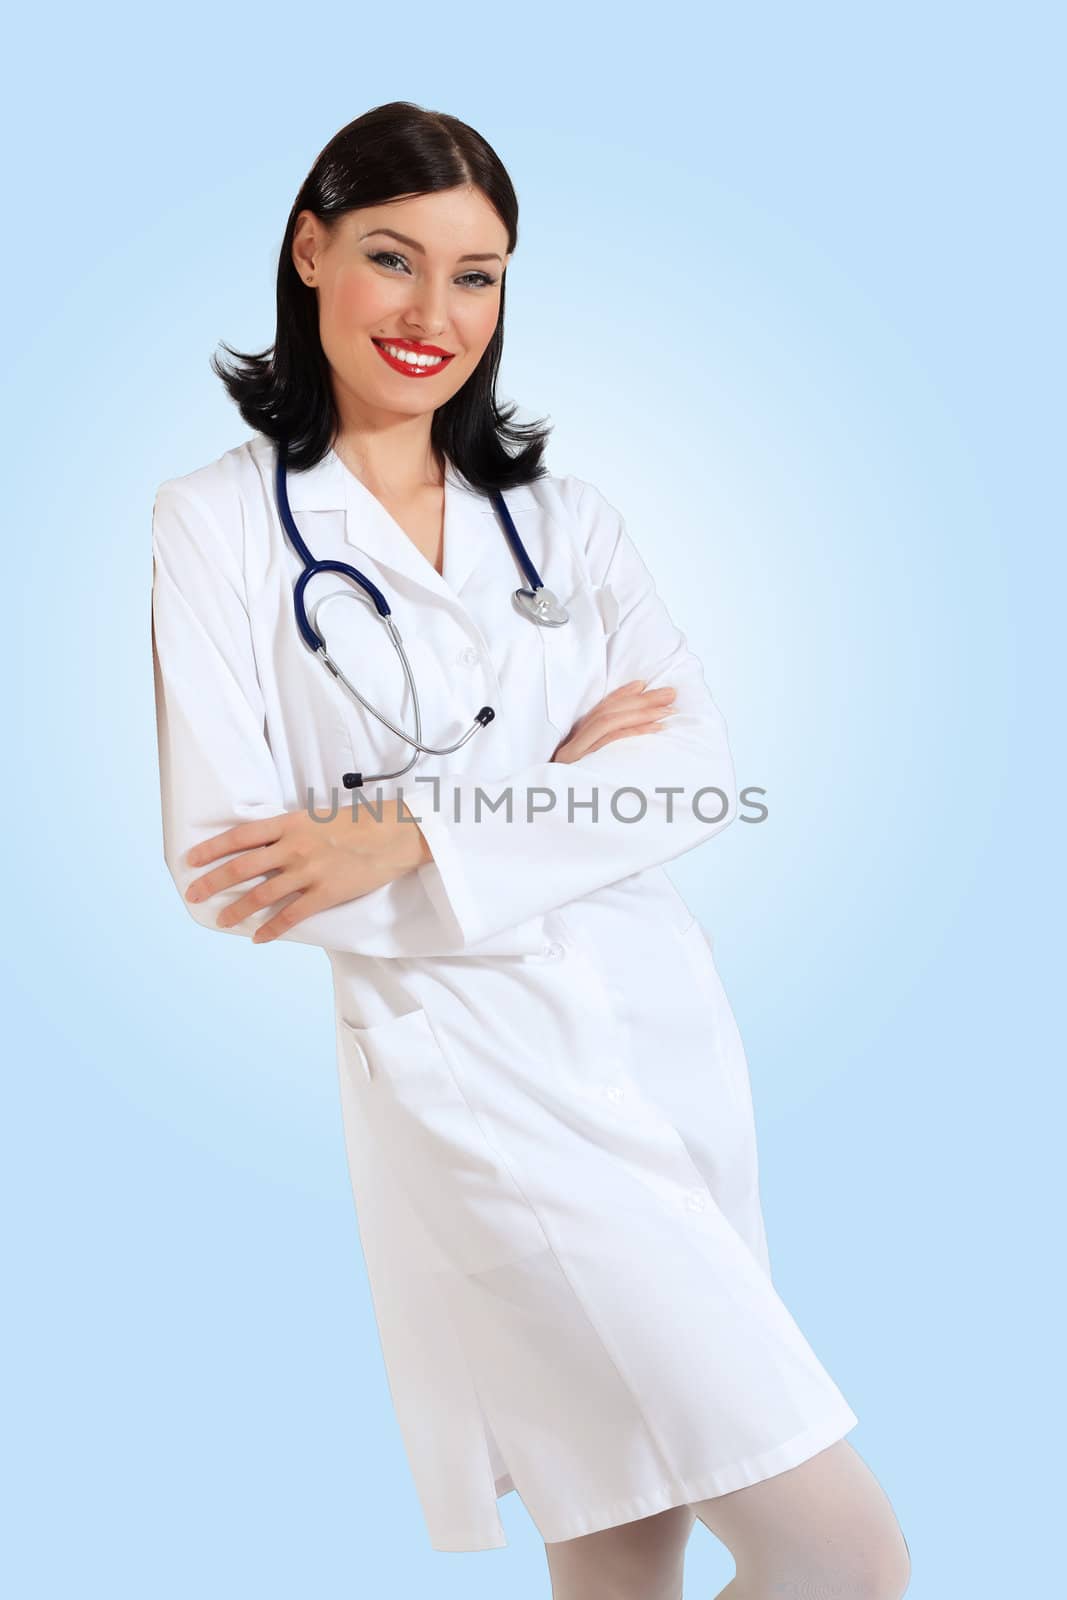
(408, 1038)
(439, 1147)
(575, 655)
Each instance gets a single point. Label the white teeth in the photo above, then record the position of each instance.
(411, 358)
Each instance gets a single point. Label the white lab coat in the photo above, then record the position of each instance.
(545, 1095)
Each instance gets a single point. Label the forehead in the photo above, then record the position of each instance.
(460, 218)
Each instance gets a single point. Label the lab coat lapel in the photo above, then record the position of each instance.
(470, 525)
(471, 529)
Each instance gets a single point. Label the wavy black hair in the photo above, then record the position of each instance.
(393, 150)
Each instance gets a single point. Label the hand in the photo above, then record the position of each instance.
(325, 862)
(627, 710)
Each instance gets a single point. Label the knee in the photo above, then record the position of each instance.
(873, 1569)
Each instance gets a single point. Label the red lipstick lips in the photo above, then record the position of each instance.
(408, 368)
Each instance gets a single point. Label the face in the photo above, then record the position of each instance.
(438, 287)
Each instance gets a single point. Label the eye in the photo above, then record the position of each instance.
(385, 255)
(484, 280)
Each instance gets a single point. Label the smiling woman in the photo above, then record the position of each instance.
(546, 1105)
(422, 313)
(396, 251)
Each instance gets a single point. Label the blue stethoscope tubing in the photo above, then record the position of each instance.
(535, 602)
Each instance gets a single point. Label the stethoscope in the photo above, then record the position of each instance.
(535, 602)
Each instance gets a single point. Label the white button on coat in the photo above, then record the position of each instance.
(551, 1320)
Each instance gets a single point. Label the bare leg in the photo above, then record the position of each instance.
(823, 1530)
(639, 1560)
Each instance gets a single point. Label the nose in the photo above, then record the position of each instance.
(426, 310)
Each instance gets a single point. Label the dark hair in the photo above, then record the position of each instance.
(393, 150)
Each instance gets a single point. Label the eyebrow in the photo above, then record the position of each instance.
(486, 255)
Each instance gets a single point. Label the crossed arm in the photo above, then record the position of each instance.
(381, 881)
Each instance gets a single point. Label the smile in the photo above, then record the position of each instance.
(411, 363)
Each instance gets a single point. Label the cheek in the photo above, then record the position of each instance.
(478, 324)
(360, 302)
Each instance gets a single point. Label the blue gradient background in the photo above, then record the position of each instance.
(789, 286)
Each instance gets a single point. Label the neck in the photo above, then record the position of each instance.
(392, 456)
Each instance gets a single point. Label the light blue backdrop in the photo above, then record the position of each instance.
(789, 284)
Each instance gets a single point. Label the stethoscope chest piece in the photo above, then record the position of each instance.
(541, 606)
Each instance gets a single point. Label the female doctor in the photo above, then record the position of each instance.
(418, 703)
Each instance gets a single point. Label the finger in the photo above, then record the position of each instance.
(277, 886)
(250, 864)
(609, 721)
(645, 725)
(654, 727)
(616, 712)
(245, 836)
(299, 908)
(631, 703)
(627, 703)
(636, 690)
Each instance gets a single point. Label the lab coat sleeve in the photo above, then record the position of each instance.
(493, 867)
(215, 763)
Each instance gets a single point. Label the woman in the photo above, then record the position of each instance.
(546, 1101)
